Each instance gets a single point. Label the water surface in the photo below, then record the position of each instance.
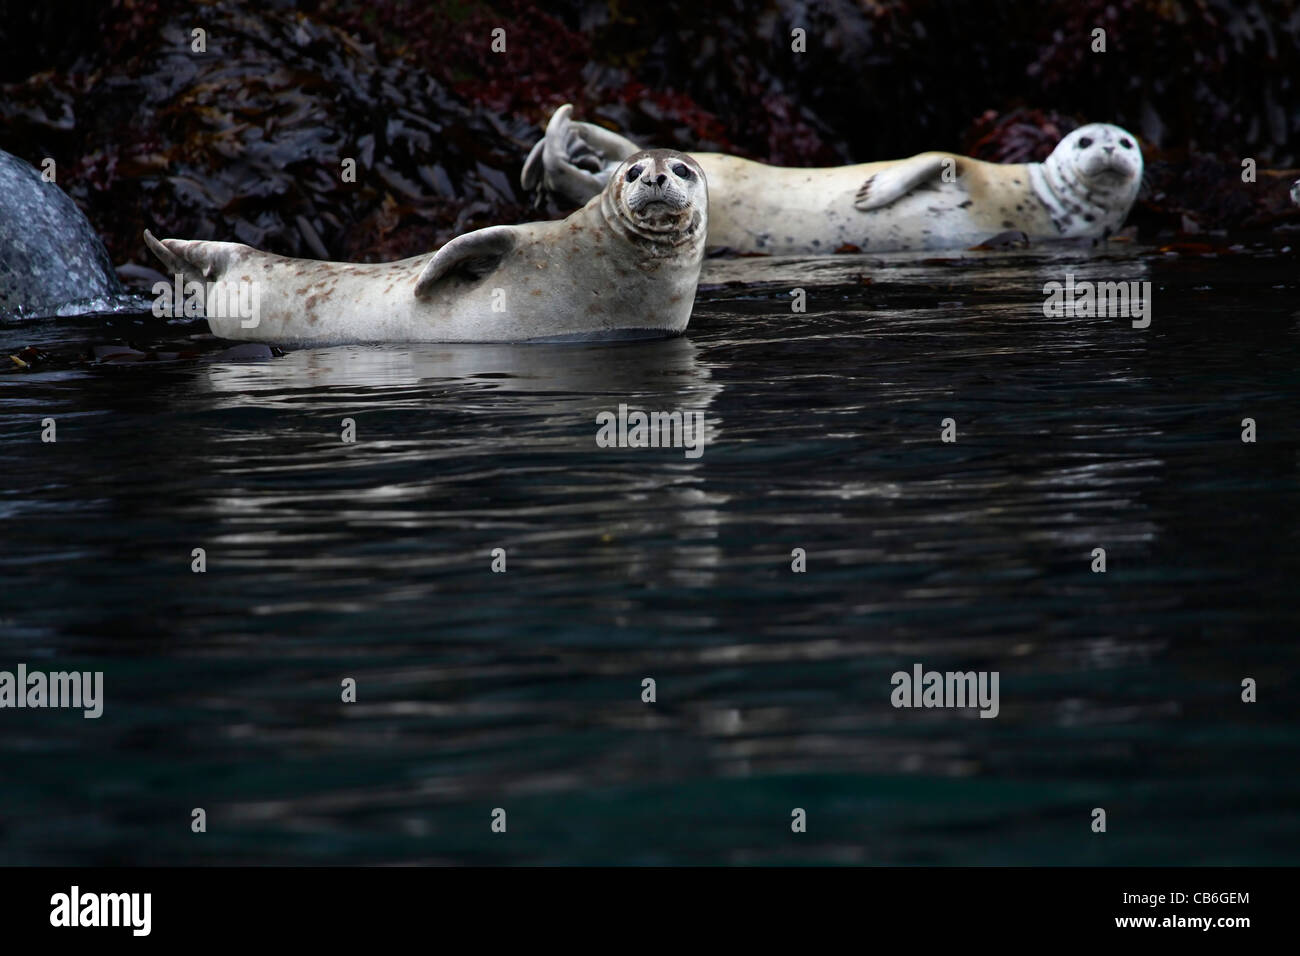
(522, 690)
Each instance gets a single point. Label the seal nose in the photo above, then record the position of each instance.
(1109, 149)
(658, 180)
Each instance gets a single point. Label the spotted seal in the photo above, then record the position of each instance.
(626, 264)
(935, 200)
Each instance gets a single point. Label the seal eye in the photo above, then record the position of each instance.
(681, 171)
(633, 174)
(1085, 142)
(1126, 144)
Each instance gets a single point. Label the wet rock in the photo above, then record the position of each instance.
(50, 255)
(246, 352)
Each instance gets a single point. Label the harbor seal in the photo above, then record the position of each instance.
(930, 201)
(52, 261)
(624, 265)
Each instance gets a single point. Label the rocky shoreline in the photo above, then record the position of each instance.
(247, 139)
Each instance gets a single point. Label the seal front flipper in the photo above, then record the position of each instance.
(898, 180)
(471, 256)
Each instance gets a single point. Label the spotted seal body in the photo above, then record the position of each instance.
(929, 201)
(625, 264)
(50, 257)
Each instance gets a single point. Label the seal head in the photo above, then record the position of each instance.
(1101, 154)
(1091, 179)
(658, 196)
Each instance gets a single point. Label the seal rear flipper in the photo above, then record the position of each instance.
(898, 180)
(574, 159)
(608, 147)
(531, 175)
(173, 262)
(471, 256)
(195, 259)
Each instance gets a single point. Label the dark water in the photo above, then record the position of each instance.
(522, 690)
